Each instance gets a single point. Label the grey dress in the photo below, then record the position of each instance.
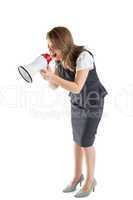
(86, 106)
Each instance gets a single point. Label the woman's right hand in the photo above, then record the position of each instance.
(47, 73)
(51, 84)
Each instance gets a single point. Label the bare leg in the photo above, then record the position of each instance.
(78, 155)
(90, 155)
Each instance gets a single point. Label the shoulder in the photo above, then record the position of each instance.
(85, 60)
(86, 53)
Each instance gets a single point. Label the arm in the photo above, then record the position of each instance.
(72, 86)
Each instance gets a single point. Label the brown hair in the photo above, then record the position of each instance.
(62, 39)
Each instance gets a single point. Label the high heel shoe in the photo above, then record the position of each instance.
(73, 187)
(85, 194)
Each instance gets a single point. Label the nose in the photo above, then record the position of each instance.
(51, 51)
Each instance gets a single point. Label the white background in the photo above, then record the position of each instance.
(36, 146)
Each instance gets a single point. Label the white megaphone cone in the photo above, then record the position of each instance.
(28, 71)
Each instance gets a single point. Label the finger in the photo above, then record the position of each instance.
(43, 70)
(42, 73)
(49, 68)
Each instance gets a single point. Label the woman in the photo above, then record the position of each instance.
(75, 71)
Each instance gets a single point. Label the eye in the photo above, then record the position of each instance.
(51, 47)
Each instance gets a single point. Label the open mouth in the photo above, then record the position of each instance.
(54, 55)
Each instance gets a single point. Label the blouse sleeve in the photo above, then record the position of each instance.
(84, 61)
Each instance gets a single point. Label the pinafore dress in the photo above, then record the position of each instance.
(86, 106)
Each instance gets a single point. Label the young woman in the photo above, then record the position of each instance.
(75, 71)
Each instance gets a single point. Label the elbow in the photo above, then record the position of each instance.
(77, 90)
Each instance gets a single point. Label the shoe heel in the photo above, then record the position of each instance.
(94, 189)
(80, 183)
(81, 180)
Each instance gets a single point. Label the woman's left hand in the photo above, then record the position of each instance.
(47, 73)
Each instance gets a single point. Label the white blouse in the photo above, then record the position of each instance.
(84, 61)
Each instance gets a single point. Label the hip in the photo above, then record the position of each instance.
(93, 110)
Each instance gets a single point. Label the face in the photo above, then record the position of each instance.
(54, 52)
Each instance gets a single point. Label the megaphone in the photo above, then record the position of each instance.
(28, 71)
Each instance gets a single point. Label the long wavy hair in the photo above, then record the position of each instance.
(62, 39)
